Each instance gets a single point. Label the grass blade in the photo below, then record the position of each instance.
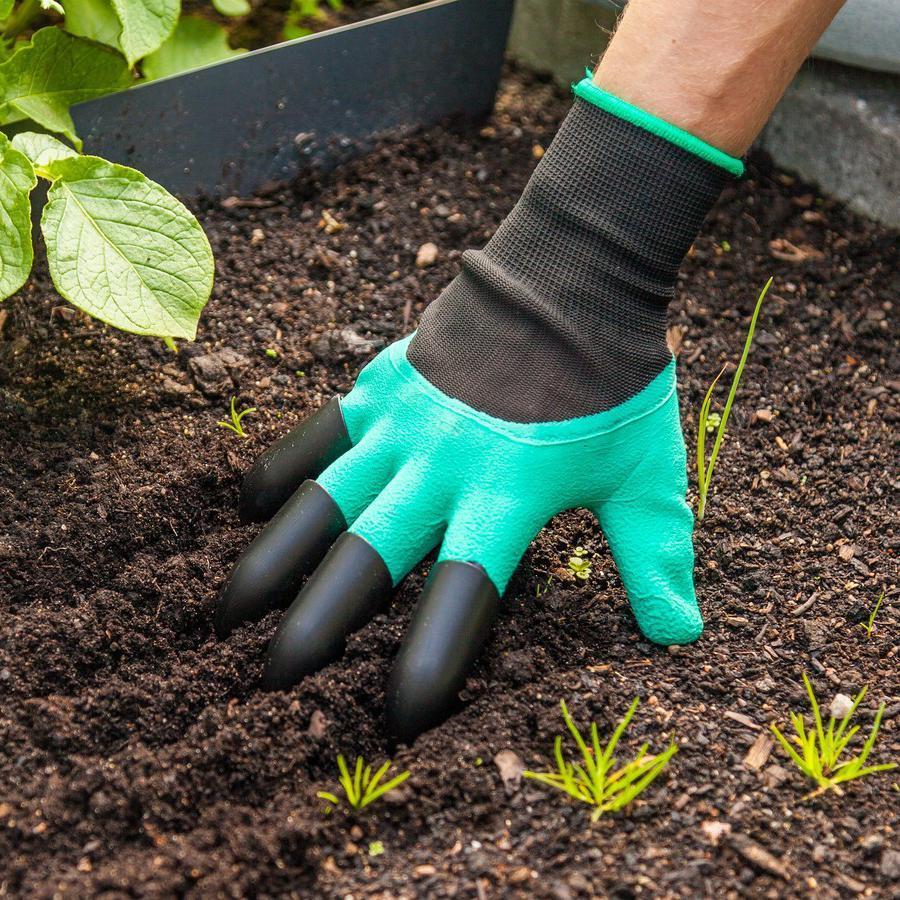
(735, 381)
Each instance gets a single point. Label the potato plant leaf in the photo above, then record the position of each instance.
(195, 42)
(231, 7)
(41, 149)
(124, 250)
(44, 77)
(146, 24)
(94, 19)
(16, 252)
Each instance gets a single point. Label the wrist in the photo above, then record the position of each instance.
(681, 137)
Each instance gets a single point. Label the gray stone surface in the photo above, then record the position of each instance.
(840, 127)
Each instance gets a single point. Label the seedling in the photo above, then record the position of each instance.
(362, 788)
(821, 749)
(597, 781)
(707, 423)
(579, 565)
(236, 423)
(869, 626)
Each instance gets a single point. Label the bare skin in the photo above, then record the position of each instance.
(714, 69)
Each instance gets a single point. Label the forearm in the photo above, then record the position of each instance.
(715, 69)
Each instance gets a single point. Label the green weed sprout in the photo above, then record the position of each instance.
(235, 424)
(869, 627)
(362, 788)
(708, 421)
(821, 749)
(579, 565)
(597, 781)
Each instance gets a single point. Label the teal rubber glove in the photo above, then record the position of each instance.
(427, 471)
(404, 469)
(539, 381)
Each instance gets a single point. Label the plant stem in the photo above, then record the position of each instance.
(27, 12)
(720, 434)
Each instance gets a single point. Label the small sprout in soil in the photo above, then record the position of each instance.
(236, 417)
(300, 373)
(362, 788)
(580, 566)
(597, 781)
(376, 848)
(271, 352)
(869, 627)
(705, 469)
(726, 247)
(713, 421)
(821, 749)
(542, 588)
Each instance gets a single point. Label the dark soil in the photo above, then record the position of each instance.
(138, 757)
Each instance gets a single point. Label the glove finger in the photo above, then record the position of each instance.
(493, 531)
(651, 539)
(405, 521)
(355, 579)
(450, 625)
(270, 571)
(301, 454)
(346, 590)
(484, 542)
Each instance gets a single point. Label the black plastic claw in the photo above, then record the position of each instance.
(346, 590)
(302, 453)
(449, 627)
(270, 571)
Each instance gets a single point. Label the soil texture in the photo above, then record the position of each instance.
(138, 758)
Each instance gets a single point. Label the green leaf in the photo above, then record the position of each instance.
(195, 42)
(146, 24)
(124, 250)
(16, 182)
(45, 77)
(94, 19)
(6, 8)
(232, 7)
(42, 149)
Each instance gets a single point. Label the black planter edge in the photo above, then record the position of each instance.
(234, 126)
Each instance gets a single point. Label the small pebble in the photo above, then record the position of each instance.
(427, 255)
(840, 706)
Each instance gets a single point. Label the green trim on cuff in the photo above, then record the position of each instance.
(587, 90)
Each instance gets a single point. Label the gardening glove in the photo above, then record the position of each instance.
(540, 380)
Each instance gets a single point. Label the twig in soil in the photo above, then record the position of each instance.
(362, 788)
(707, 420)
(597, 781)
(869, 626)
(803, 607)
(236, 417)
(822, 748)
